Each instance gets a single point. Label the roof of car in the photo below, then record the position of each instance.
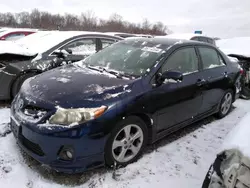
(120, 33)
(166, 41)
(186, 36)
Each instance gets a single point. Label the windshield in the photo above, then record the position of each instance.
(133, 58)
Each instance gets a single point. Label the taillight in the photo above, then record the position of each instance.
(241, 71)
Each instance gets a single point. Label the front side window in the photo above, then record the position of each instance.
(210, 58)
(184, 60)
(82, 47)
(129, 57)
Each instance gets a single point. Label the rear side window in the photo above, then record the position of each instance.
(203, 39)
(211, 41)
(107, 42)
(183, 60)
(14, 36)
(195, 38)
(210, 58)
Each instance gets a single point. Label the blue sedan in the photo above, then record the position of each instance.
(105, 109)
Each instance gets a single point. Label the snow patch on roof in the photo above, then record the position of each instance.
(63, 80)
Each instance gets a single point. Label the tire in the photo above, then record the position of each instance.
(226, 104)
(19, 82)
(245, 93)
(133, 148)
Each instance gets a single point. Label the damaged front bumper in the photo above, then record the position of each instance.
(87, 153)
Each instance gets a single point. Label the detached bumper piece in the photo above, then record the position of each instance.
(231, 169)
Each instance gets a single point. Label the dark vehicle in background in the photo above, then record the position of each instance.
(237, 49)
(36, 53)
(123, 35)
(15, 34)
(192, 36)
(244, 62)
(108, 107)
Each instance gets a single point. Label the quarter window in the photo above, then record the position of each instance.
(210, 58)
(184, 60)
(82, 47)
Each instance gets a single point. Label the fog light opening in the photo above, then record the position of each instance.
(69, 154)
(66, 153)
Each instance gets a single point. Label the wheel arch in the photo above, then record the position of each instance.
(30, 71)
(148, 120)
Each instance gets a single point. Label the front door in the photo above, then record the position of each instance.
(181, 101)
(81, 48)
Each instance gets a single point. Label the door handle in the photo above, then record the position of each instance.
(225, 74)
(201, 82)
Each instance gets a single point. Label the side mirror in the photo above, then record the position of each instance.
(62, 53)
(169, 75)
(69, 51)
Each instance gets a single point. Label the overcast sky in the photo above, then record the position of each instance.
(224, 18)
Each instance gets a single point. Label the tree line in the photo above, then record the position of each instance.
(87, 21)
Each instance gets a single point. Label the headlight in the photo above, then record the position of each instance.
(78, 115)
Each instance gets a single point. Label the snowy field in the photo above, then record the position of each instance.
(179, 161)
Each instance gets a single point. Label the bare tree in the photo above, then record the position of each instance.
(86, 21)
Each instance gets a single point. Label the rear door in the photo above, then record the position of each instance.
(215, 73)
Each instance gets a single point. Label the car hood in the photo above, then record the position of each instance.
(10, 47)
(72, 86)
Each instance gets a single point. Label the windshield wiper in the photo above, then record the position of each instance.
(118, 74)
(96, 68)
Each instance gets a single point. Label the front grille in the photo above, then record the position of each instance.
(35, 148)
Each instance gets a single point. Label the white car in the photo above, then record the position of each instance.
(236, 45)
(231, 168)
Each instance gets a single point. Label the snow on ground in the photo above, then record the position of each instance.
(178, 161)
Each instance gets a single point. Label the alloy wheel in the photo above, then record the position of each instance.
(226, 104)
(127, 143)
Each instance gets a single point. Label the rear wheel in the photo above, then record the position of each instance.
(226, 104)
(19, 82)
(126, 142)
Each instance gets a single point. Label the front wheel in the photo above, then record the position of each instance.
(126, 142)
(226, 104)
